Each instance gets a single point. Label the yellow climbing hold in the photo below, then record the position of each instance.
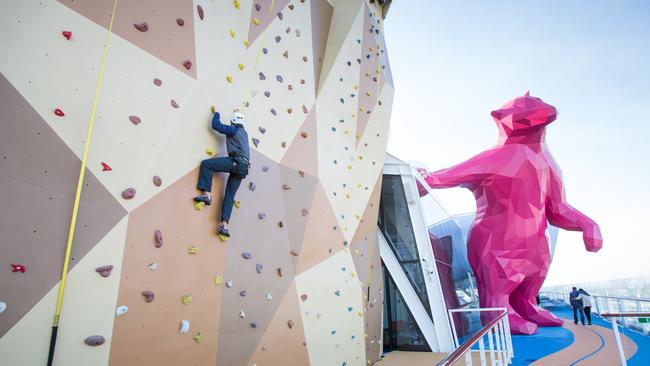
(356, 87)
(209, 151)
(236, 4)
(199, 206)
(246, 43)
(368, 93)
(186, 300)
(237, 204)
(218, 280)
(232, 33)
(229, 78)
(356, 251)
(241, 67)
(346, 131)
(347, 195)
(360, 315)
(198, 337)
(223, 238)
(349, 167)
(256, 21)
(353, 274)
(193, 249)
(346, 250)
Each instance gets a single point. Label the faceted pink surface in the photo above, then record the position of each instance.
(518, 189)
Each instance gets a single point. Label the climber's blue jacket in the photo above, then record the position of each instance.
(236, 138)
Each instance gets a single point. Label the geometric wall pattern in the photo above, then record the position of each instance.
(317, 92)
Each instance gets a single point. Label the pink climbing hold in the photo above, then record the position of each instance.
(173, 103)
(157, 82)
(199, 10)
(303, 134)
(67, 34)
(59, 112)
(180, 22)
(106, 167)
(18, 268)
(142, 27)
(128, 193)
(104, 271)
(135, 119)
(94, 340)
(148, 296)
(187, 64)
(159, 238)
(157, 181)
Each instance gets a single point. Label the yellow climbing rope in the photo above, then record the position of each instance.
(75, 208)
(379, 21)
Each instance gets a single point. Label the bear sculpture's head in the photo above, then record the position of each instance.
(523, 115)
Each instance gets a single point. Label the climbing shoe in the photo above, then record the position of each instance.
(223, 231)
(206, 199)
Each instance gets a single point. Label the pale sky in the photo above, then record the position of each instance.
(455, 61)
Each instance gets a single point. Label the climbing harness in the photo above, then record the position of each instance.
(75, 208)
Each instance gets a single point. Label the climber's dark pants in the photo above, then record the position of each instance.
(223, 165)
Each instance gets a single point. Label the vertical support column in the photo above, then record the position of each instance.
(619, 345)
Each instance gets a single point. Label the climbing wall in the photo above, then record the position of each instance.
(150, 282)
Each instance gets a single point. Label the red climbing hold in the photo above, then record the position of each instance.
(199, 10)
(104, 271)
(67, 34)
(59, 112)
(106, 167)
(157, 181)
(135, 119)
(187, 64)
(17, 268)
(148, 296)
(142, 27)
(157, 82)
(159, 238)
(180, 22)
(128, 193)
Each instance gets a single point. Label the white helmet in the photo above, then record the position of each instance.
(237, 118)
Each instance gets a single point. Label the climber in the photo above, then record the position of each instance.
(236, 163)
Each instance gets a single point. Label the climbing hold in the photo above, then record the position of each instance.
(187, 64)
(180, 22)
(199, 206)
(290, 6)
(157, 82)
(247, 255)
(273, 112)
(278, 78)
(251, 186)
(229, 284)
(301, 173)
(253, 325)
(304, 58)
(280, 224)
(3, 307)
(199, 10)
(237, 204)
(173, 103)
(198, 337)
(186, 299)
(240, 67)
(232, 33)
(223, 238)
(159, 239)
(284, 144)
(293, 253)
(193, 249)
(135, 119)
(267, 94)
(236, 4)
(148, 296)
(218, 280)
(265, 50)
(104, 271)
(268, 296)
(259, 267)
(262, 76)
(242, 293)
(337, 293)
(153, 266)
(59, 112)
(297, 32)
(286, 54)
(209, 151)
(106, 167)
(185, 327)
(157, 181)
(121, 310)
(128, 193)
(258, 7)
(302, 81)
(265, 168)
(305, 212)
(304, 109)
(279, 270)
(94, 340)
(303, 134)
(67, 34)
(261, 215)
(280, 15)
(256, 21)
(286, 187)
(290, 324)
(246, 43)
(229, 78)
(262, 129)
(142, 27)
(242, 314)
(289, 110)
(303, 297)
(288, 30)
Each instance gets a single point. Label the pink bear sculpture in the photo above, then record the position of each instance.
(518, 189)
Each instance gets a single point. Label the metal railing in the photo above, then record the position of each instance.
(499, 341)
(613, 304)
(617, 335)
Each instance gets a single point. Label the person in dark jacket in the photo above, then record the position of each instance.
(575, 299)
(236, 164)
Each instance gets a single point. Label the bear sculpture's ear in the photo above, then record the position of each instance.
(527, 94)
(497, 114)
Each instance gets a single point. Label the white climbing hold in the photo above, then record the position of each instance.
(229, 283)
(185, 327)
(242, 314)
(3, 307)
(153, 266)
(121, 310)
(269, 296)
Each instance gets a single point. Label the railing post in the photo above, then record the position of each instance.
(490, 335)
(481, 347)
(511, 350)
(504, 351)
(596, 298)
(468, 358)
(497, 346)
(619, 345)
